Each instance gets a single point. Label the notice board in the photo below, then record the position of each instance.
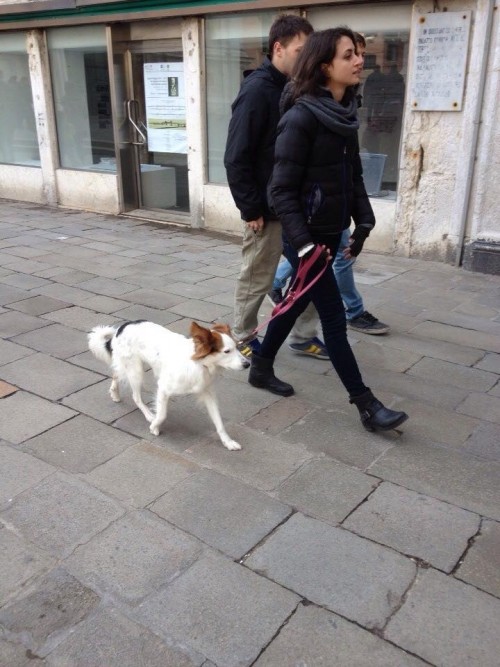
(439, 61)
(165, 107)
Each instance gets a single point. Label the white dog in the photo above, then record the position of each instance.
(181, 365)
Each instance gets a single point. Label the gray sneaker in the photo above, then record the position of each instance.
(366, 323)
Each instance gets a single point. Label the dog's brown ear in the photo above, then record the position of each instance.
(202, 340)
(222, 328)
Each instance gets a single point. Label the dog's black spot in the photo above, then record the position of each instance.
(107, 345)
(125, 324)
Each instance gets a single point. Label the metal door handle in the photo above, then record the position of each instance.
(143, 141)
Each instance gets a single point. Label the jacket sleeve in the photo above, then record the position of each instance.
(361, 211)
(247, 125)
(293, 147)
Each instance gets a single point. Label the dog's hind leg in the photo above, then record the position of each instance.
(134, 372)
(161, 412)
(208, 397)
(114, 390)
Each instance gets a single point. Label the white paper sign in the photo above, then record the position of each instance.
(439, 61)
(165, 107)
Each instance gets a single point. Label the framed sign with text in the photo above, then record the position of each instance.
(439, 61)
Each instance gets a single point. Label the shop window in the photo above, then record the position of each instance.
(18, 138)
(386, 28)
(80, 84)
(234, 45)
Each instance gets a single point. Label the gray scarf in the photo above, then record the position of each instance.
(335, 116)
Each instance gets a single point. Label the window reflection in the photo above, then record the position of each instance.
(18, 137)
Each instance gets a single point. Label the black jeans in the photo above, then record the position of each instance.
(326, 297)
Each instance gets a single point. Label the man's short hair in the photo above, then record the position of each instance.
(285, 28)
(360, 39)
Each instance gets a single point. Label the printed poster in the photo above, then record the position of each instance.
(165, 107)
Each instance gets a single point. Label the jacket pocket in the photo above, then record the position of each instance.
(314, 202)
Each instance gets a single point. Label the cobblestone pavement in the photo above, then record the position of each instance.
(318, 544)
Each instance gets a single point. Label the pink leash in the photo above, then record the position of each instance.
(295, 291)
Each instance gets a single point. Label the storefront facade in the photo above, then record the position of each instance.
(123, 108)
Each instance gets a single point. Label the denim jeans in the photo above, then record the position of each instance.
(344, 274)
(326, 297)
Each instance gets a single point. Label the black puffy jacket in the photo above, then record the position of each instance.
(251, 137)
(317, 183)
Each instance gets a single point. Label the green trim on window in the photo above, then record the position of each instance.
(110, 8)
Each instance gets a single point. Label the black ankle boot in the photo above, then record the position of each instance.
(374, 415)
(262, 376)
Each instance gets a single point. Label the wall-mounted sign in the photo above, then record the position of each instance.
(439, 61)
(165, 107)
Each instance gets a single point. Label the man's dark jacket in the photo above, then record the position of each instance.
(249, 155)
(317, 183)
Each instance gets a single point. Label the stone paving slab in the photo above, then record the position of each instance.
(152, 298)
(484, 442)
(10, 294)
(48, 377)
(47, 610)
(458, 335)
(110, 564)
(481, 566)
(356, 578)
(23, 416)
(104, 304)
(333, 432)
(444, 372)
(415, 388)
(79, 445)
(263, 462)
(80, 318)
(221, 511)
(372, 354)
(54, 339)
(15, 655)
(60, 513)
(163, 317)
(447, 622)
(109, 638)
(433, 424)
(457, 353)
(202, 310)
(490, 362)
(273, 419)
(465, 481)
(20, 471)
(481, 406)
(87, 360)
(319, 638)
(326, 490)
(96, 402)
(415, 525)
(20, 562)
(141, 473)
(13, 323)
(220, 609)
(38, 305)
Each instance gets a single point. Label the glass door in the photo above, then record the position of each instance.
(151, 124)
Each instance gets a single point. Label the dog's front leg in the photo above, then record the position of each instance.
(161, 412)
(208, 397)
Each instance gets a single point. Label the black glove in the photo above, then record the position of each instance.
(358, 237)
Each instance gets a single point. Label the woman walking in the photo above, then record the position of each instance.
(317, 186)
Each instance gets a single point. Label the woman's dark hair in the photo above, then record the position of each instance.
(321, 47)
(285, 28)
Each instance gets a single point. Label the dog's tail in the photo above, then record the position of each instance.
(100, 342)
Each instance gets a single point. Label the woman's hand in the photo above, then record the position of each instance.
(325, 256)
(356, 241)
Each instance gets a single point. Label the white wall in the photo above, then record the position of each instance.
(435, 149)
